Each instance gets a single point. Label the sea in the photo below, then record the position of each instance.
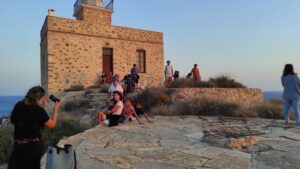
(7, 102)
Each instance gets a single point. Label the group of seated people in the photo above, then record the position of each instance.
(118, 112)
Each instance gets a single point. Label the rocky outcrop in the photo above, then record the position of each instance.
(177, 143)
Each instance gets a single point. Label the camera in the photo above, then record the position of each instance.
(54, 99)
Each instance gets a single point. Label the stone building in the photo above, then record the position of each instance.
(77, 51)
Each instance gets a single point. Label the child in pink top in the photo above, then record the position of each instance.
(128, 112)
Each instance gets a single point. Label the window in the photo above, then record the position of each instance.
(141, 60)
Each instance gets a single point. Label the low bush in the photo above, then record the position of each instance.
(202, 107)
(6, 143)
(77, 87)
(189, 83)
(76, 104)
(273, 109)
(66, 126)
(104, 88)
(225, 82)
(218, 82)
(152, 97)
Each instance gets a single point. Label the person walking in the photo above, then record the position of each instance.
(291, 92)
(29, 118)
(196, 73)
(168, 74)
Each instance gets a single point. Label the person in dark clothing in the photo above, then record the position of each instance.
(176, 75)
(135, 75)
(129, 86)
(29, 118)
(140, 111)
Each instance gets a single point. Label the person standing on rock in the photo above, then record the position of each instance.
(168, 74)
(134, 72)
(28, 118)
(196, 73)
(291, 92)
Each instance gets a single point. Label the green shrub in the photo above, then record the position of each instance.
(77, 87)
(65, 127)
(6, 143)
(74, 105)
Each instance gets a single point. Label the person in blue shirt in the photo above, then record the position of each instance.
(291, 92)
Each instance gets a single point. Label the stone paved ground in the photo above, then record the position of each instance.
(177, 143)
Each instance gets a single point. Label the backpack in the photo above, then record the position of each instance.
(61, 157)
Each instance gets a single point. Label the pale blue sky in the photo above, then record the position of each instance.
(250, 40)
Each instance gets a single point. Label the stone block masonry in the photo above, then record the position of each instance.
(72, 50)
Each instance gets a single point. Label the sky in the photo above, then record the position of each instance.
(249, 40)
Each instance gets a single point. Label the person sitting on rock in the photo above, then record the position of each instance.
(128, 112)
(114, 86)
(109, 107)
(114, 114)
(140, 112)
(103, 78)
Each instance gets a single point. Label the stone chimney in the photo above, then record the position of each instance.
(51, 12)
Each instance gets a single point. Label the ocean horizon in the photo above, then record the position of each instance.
(7, 102)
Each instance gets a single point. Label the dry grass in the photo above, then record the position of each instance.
(152, 97)
(6, 143)
(218, 82)
(201, 107)
(67, 125)
(75, 105)
(158, 101)
(78, 87)
(273, 109)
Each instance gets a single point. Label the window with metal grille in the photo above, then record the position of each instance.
(141, 60)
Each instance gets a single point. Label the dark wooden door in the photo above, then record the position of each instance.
(107, 60)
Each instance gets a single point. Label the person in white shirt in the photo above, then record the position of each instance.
(168, 74)
(112, 117)
(114, 86)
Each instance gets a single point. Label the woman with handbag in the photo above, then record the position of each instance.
(28, 118)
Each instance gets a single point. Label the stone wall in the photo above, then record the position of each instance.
(71, 50)
(241, 96)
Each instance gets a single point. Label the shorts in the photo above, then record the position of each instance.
(106, 122)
